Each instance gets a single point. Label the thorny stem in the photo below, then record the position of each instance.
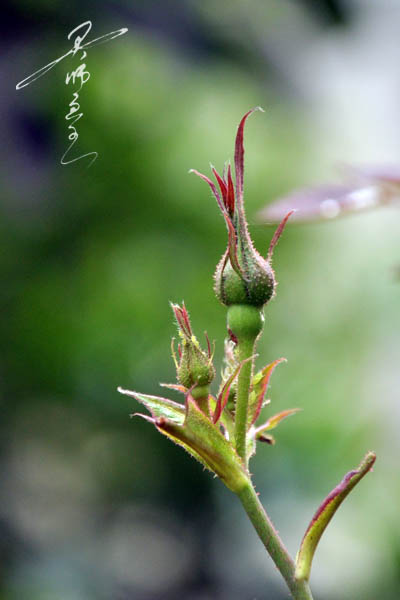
(245, 350)
(270, 538)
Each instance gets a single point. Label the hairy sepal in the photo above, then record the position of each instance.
(159, 407)
(191, 429)
(274, 421)
(259, 388)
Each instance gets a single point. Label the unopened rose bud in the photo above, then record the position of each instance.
(194, 366)
(243, 276)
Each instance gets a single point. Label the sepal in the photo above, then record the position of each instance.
(226, 420)
(223, 396)
(159, 407)
(273, 422)
(258, 390)
(191, 429)
(175, 386)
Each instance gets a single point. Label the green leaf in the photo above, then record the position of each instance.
(325, 513)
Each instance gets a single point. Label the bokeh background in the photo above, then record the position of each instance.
(95, 505)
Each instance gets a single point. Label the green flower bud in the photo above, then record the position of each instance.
(255, 285)
(194, 367)
(243, 276)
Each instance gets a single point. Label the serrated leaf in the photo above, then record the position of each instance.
(324, 514)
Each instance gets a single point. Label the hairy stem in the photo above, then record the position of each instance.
(201, 395)
(270, 538)
(245, 350)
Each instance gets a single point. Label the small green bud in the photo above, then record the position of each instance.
(194, 367)
(254, 286)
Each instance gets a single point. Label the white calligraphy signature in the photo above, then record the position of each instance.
(80, 75)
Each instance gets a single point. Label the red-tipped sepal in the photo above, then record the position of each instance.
(223, 396)
(239, 157)
(278, 233)
(271, 423)
(259, 388)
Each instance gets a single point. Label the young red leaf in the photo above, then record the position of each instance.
(325, 513)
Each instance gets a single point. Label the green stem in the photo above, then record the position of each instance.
(201, 393)
(270, 538)
(245, 350)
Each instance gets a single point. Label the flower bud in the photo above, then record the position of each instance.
(243, 276)
(254, 285)
(194, 367)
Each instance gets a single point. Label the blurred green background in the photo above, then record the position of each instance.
(94, 505)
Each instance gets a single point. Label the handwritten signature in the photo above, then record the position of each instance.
(80, 75)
